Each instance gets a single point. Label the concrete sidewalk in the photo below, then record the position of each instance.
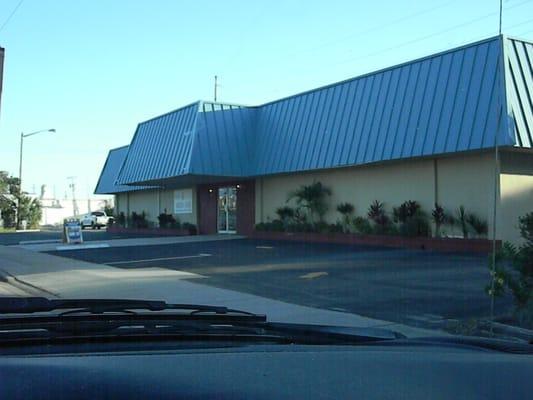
(62, 277)
(151, 241)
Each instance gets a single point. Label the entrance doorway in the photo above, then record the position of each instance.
(227, 209)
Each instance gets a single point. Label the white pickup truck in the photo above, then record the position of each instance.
(95, 220)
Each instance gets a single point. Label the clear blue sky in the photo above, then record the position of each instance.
(93, 69)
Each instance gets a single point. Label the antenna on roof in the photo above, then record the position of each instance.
(216, 86)
(501, 14)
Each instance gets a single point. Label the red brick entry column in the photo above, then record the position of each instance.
(208, 207)
(245, 207)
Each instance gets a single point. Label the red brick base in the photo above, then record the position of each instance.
(445, 244)
(149, 231)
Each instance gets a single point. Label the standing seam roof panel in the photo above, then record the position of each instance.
(520, 80)
(444, 103)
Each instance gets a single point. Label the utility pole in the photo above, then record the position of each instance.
(22, 136)
(72, 186)
(495, 198)
(216, 86)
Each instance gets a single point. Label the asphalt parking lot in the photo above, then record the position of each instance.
(15, 238)
(417, 288)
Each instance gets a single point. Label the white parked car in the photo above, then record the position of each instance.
(95, 220)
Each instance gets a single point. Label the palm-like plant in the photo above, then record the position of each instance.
(286, 215)
(346, 210)
(480, 227)
(406, 210)
(376, 212)
(439, 218)
(312, 198)
(461, 219)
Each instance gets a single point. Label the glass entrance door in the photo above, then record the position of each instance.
(227, 209)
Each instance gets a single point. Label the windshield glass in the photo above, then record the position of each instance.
(314, 162)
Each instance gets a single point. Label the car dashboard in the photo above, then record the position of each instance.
(262, 371)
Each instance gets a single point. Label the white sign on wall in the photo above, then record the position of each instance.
(183, 201)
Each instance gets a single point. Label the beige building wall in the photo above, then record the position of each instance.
(391, 184)
(154, 202)
(451, 181)
(516, 180)
(147, 201)
(467, 180)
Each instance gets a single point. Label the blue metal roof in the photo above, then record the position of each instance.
(445, 103)
(161, 147)
(519, 80)
(463, 99)
(107, 181)
(224, 141)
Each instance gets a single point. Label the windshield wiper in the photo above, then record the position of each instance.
(33, 319)
(28, 305)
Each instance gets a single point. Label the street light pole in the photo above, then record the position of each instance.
(22, 136)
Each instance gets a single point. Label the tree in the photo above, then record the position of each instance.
(8, 198)
(30, 209)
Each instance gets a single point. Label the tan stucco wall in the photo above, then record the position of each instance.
(154, 202)
(121, 203)
(516, 180)
(360, 186)
(167, 202)
(147, 201)
(461, 180)
(467, 181)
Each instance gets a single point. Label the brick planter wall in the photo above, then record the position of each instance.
(149, 231)
(444, 244)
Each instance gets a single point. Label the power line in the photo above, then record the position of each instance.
(420, 39)
(375, 28)
(11, 15)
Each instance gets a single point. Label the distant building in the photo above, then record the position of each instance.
(54, 210)
(426, 130)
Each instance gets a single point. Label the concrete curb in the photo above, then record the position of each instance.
(152, 241)
(25, 286)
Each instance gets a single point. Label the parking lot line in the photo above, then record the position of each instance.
(158, 259)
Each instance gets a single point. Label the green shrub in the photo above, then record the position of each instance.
(405, 211)
(337, 228)
(416, 225)
(166, 220)
(321, 227)
(260, 227)
(362, 225)
(139, 220)
(286, 215)
(514, 271)
(301, 227)
(277, 225)
(191, 228)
